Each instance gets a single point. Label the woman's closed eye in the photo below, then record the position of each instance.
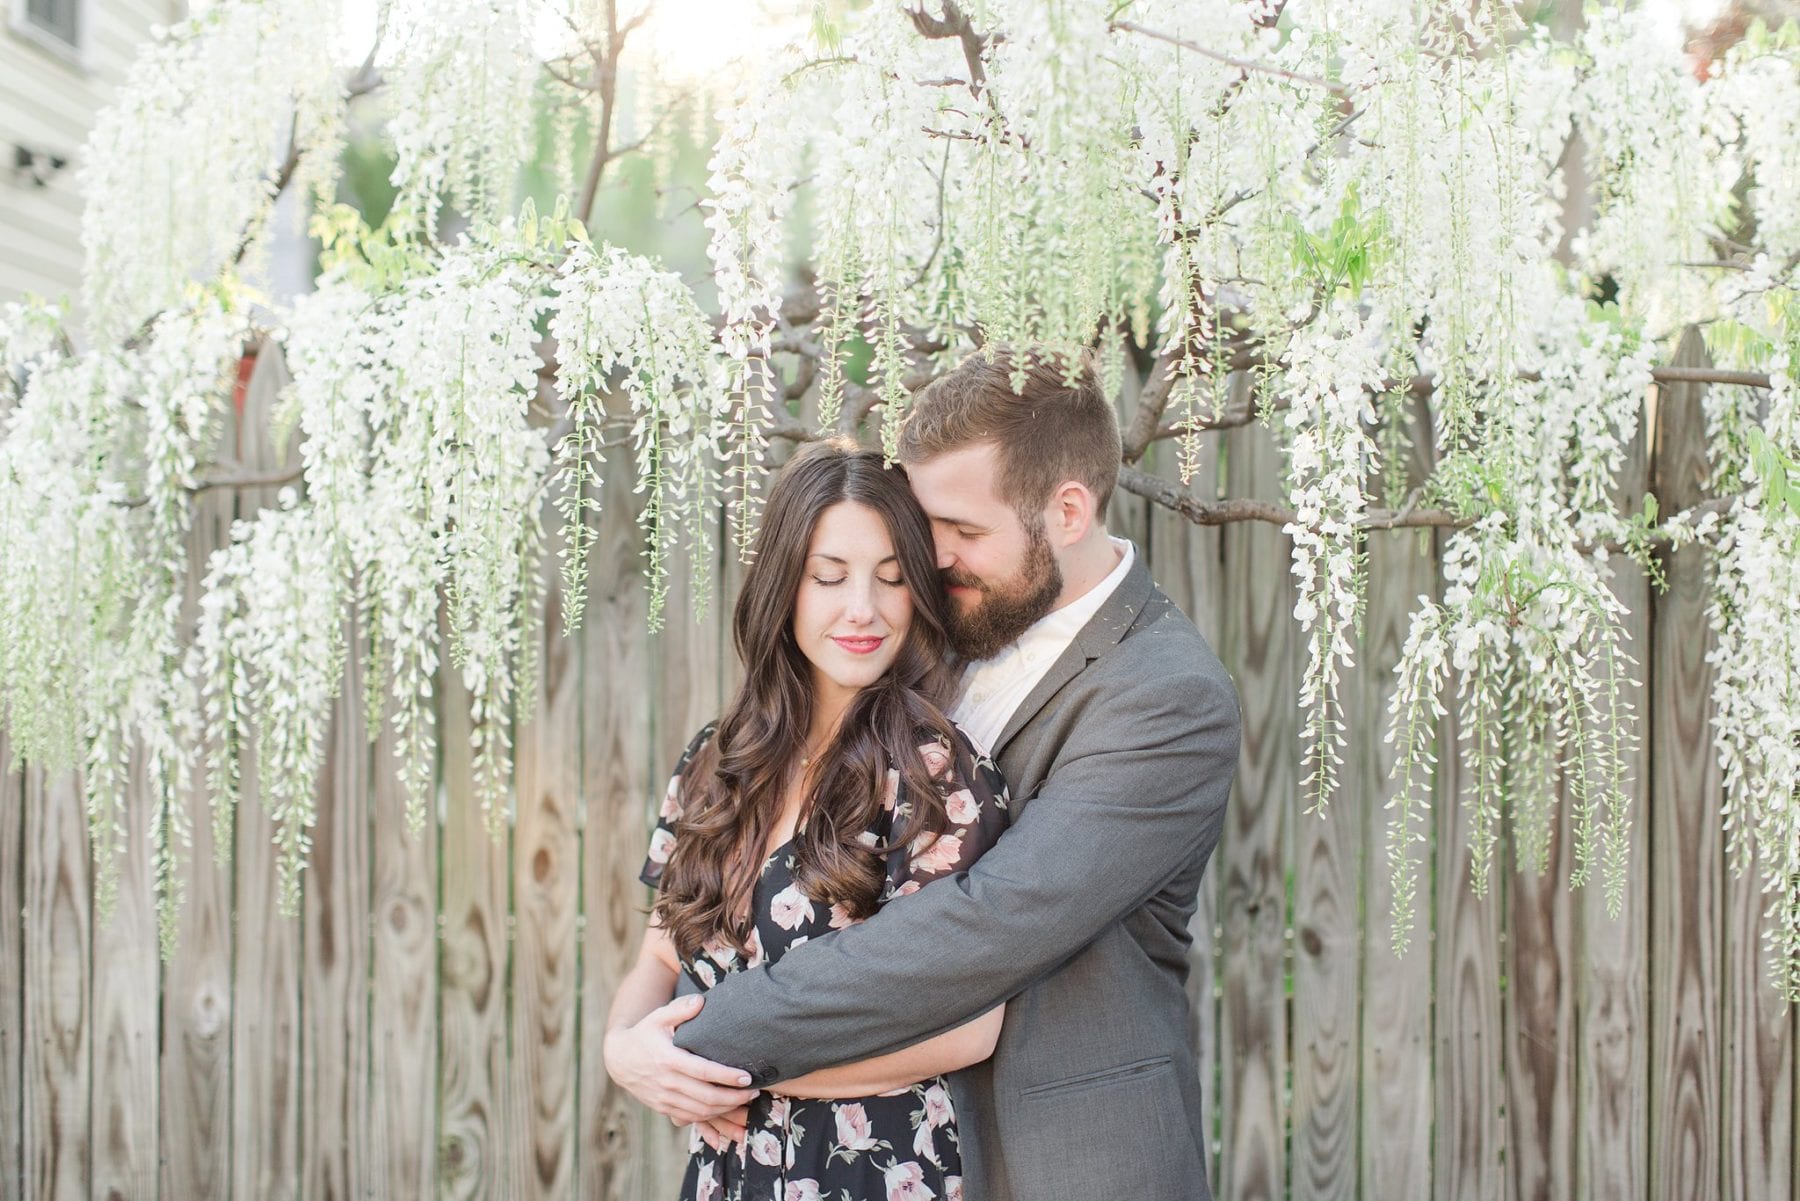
(894, 583)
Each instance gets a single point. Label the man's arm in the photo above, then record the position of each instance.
(1122, 812)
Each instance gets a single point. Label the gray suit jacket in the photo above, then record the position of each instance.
(1118, 763)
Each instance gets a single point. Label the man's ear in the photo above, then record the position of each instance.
(1070, 513)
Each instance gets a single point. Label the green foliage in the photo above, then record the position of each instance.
(1348, 252)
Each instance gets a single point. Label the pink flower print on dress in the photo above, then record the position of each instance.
(908, 888)
(802, 1190)
(671, 802)
(661, 843)
(937, 758)
(938, 1110)
(853, 1131)
(906, 1182)
(779, 1108)
(840, 918)
(953, 1188)
(706, 1184)
(722, 952)
(754, 945)
(765, 1149)
(890, 789)
(962, 807)
(791, 908)
(703, 972)
(940, 856)
(924, 1146)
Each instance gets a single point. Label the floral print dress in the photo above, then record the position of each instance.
(899, 1146)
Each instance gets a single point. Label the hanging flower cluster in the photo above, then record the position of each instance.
(753, 172)
(619, 316)
(1331, 370)
(459, 93)
(1756, 659)
(269, 653)
(180, 172)
(1663, 175)
(87, 678)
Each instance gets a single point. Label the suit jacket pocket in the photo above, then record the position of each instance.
(1105, 1076)
(1115, 1133)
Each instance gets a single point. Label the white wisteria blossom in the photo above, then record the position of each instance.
(181, 171)
(1756, 661)
(459, 92)
(619, 315)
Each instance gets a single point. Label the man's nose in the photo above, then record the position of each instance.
(945, 557)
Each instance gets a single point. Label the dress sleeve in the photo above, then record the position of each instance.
(668, 816)
(976, 802)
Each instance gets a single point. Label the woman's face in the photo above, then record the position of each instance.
(853, 608)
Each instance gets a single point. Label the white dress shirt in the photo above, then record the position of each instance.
(992, 689)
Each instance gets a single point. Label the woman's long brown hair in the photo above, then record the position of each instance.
(730, 794)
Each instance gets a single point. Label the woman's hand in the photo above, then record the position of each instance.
(643, 1060)
(721, 1132)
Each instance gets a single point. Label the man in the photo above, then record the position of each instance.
(1117, 730)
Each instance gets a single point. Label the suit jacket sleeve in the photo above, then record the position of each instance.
(1138, 789)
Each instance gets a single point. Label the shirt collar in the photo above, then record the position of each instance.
(1061, 625)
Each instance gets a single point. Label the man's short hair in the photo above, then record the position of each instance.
(1049, 431)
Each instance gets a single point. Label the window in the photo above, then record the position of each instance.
(57, 19)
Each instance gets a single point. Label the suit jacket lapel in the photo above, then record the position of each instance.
(1103, 630)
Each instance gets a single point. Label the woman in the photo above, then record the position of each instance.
(832, 785)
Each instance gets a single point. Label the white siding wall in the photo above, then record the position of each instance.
(48, 102)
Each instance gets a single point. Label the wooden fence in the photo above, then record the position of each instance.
(428, 1026)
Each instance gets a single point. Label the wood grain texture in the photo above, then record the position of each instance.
(1539, 1020)
(1260, 649)
(1611, 970)
(475, 1088)
(1468, 1088)
(546, 875)
(689, 667)
(12, 969)
(1757, 1077)
(1185, 561)
(614, 1158)
(1327, 1015)
(334, 1040)
(58, 1024)
(1686, 869)
(1758, 1070)
(1395, 1068)
(266, 968)
(126, 979)
(403, 1096)
(195, 1079)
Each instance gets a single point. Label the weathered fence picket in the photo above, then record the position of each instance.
(1686, 853)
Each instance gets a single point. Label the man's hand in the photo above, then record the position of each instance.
(645, 1062)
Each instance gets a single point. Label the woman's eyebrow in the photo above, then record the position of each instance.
(846, 562)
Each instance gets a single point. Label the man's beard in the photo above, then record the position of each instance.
(1007, 610)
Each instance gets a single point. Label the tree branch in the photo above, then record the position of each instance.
(1242, 64)
(606, 64)
(1172, 496)
(955, 24)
